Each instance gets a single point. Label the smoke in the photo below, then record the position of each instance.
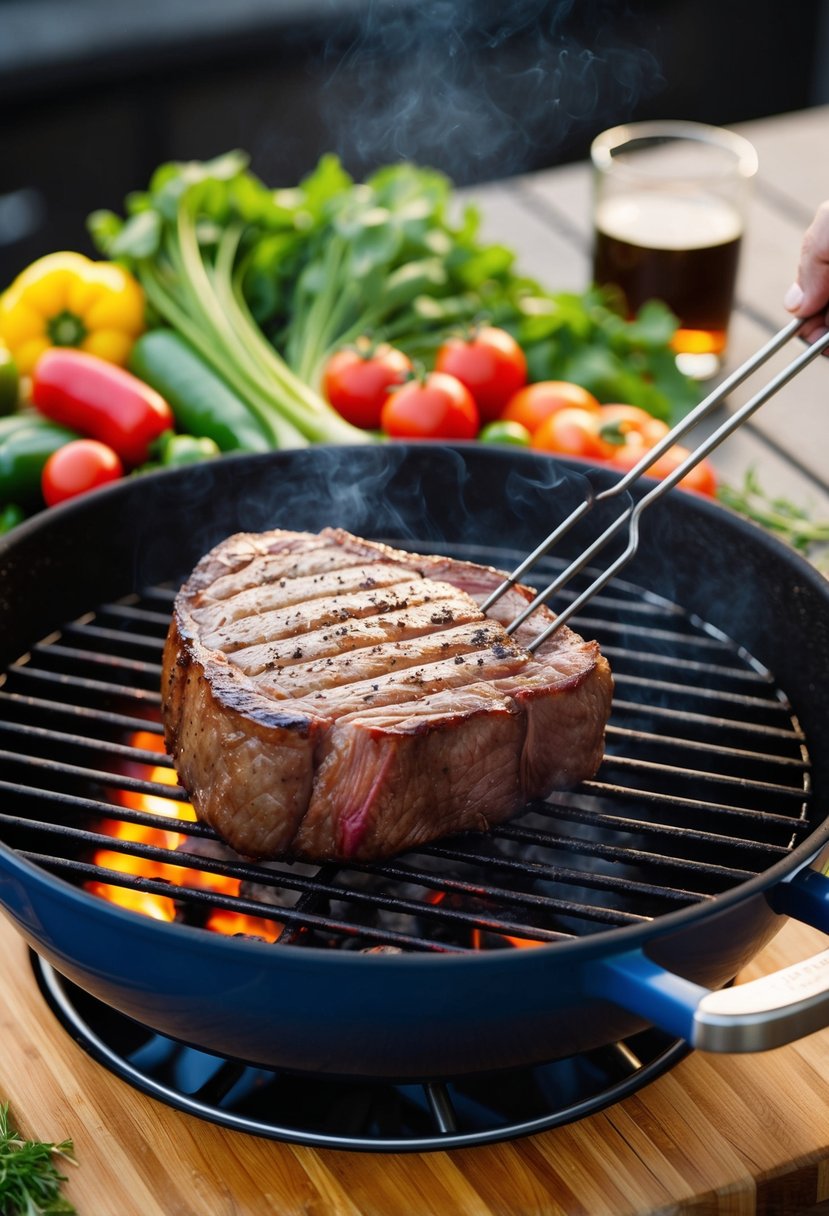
(429, 497)
(481, 89)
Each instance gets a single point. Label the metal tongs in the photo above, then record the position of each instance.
(632, 514)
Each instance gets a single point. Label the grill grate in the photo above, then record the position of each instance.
(705, 784)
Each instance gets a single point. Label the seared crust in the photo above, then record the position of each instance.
(329, 697)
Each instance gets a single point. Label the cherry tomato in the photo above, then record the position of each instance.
(436, 407)
(628, 454)
(78, 466)
(533, 404)
(701, 478)
(573, 432)
(623, 421)
(357, 379)
(490, 363)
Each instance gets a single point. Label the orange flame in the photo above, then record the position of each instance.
(223, 920)
(520, 943)
(161, 907)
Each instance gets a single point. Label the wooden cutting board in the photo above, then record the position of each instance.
(717, 1134)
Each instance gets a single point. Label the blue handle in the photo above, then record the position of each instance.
(641, 986)
(804, 897)
(750, 1017)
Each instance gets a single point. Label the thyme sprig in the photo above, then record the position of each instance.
(30, 1180)
(792, 523)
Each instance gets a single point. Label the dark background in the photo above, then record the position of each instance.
(95, 93)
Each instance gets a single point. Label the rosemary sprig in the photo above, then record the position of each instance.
(30, 1181)
(792, 523)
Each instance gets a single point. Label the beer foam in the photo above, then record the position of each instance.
(667, 221)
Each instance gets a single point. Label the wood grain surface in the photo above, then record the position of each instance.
(718, 1134)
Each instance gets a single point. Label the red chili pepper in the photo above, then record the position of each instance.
(101, 400)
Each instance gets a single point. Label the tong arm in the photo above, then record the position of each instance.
(632, 514)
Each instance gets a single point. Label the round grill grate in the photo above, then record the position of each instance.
(705, 783)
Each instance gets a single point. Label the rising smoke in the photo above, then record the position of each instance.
(482, 89)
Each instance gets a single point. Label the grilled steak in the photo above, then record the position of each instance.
(330, 697)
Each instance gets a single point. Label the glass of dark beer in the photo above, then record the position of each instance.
(669, 212)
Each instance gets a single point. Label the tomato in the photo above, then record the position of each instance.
(435, 407)
(490, 363)
(701, 478)
(623, 421)
(533, 404)
(573, 432)
(79, 466)
(357, 379)
(500, 431)
(626, 455)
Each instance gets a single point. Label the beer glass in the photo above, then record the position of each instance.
(669, 210)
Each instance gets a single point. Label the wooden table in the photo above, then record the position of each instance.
(718, 1134)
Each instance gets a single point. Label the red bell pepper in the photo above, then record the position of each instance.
(100, 400)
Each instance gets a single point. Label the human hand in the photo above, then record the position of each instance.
(808, 296)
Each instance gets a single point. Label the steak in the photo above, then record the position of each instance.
(328, 697)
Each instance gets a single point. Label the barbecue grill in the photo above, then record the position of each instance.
(726, 771)
(544, 938)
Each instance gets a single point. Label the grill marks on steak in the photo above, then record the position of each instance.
(326, 696)
(393, 660)
(318, 613)
(413, 621)
(370, 586)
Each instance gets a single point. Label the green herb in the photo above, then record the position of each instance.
(392, 258)
(29, 1179)
(587, 340)
(10, 516)
(185, 240)
(792, 523)
(266, 284)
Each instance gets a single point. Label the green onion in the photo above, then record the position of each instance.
(188, 264)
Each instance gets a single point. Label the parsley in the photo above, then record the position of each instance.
(267, 284)
(29, 1179)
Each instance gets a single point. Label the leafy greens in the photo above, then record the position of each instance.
(30, 1181)
(792, 523)
(266, 284)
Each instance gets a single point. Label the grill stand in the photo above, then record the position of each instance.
(358, 1115)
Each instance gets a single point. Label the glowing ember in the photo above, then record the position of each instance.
(162, 907)
(520, 943)
(223, 920)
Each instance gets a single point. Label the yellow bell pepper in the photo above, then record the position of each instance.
(66, 299)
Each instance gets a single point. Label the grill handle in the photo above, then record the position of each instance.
(756, 1016)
